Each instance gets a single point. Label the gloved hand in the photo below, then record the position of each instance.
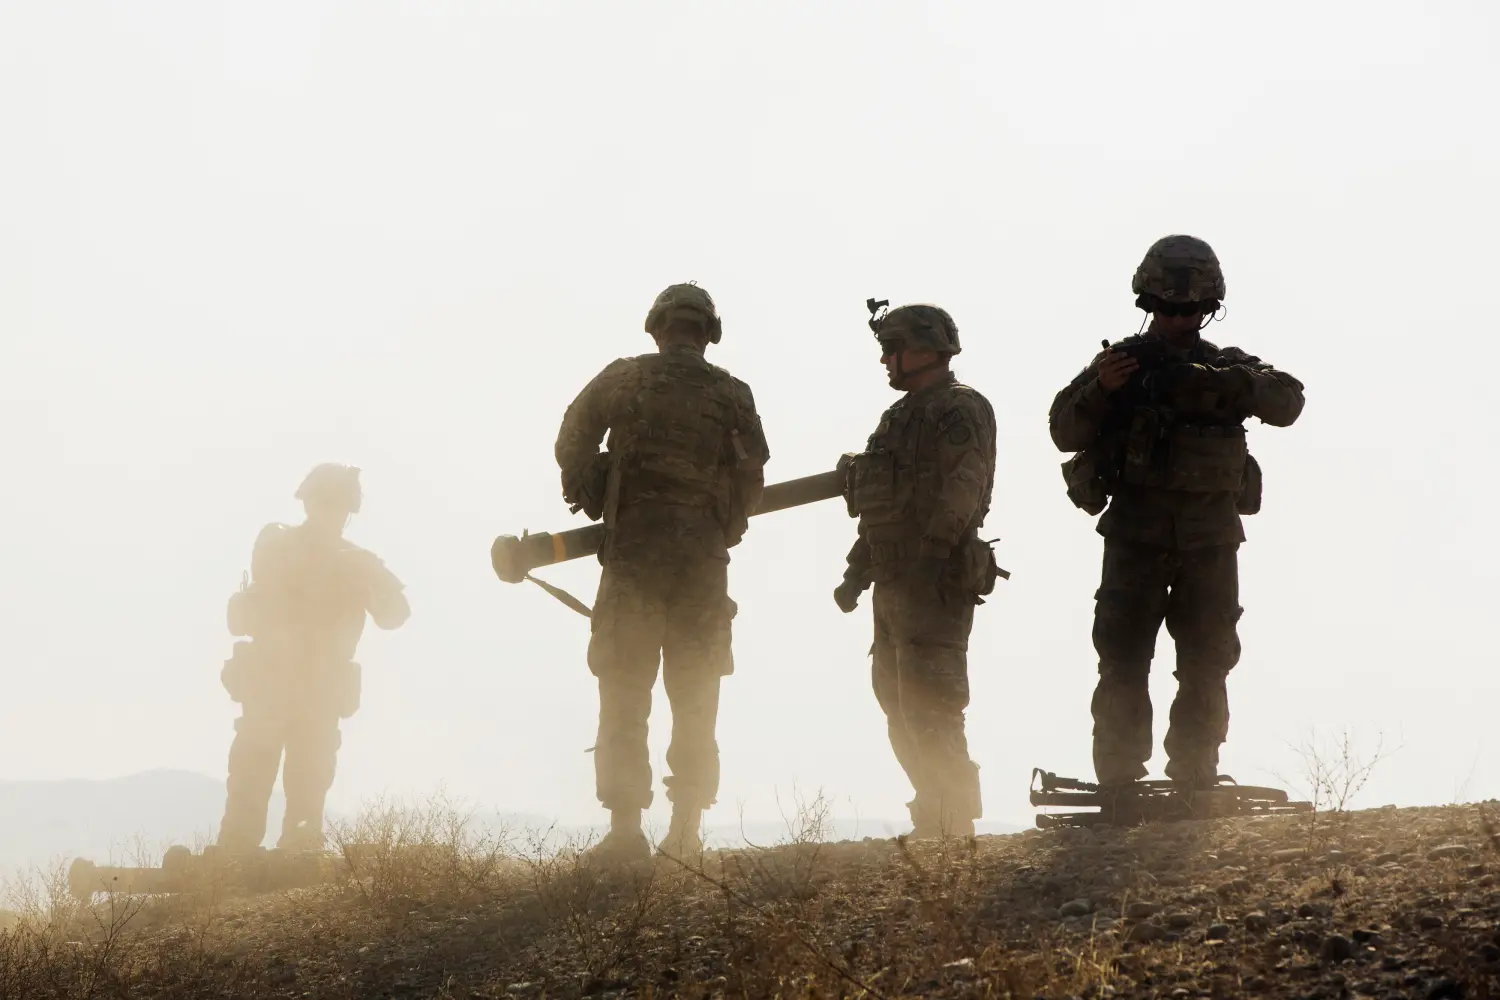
(846, 595)
(585, 489)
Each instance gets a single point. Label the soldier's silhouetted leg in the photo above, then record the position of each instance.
(1202, 618)
(254, 759)
(885, 678)
(697, 653)
(312, 748)
(624, 655)
(928, 635)
(1128, 611)
(695, 657)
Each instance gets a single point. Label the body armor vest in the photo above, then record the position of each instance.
(895, 483)
(1157, 445)
(674, 443)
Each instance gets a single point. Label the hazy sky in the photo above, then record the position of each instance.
(240, 239)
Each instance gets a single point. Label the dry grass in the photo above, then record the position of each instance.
(426, 905)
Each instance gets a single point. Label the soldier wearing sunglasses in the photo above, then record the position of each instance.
(1157, 422)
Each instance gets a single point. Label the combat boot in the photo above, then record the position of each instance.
(625, 842)
(683, 840)
(1193, 775)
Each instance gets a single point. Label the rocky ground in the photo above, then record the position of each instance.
(1378, 903)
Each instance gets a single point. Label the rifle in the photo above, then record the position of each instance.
(1148, 801)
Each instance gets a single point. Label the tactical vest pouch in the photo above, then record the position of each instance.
(240, 613)
(1248, 502)
(979, 571)
(1140, 446)
(346, 688)
(1085, 480)
(239, 673)
(876, 491)
(1206, 459)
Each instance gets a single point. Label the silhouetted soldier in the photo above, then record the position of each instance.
(303, 609)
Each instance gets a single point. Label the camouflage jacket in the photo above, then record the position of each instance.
(1146, 436)
(684, 460)
(307, 596)
(922, 486)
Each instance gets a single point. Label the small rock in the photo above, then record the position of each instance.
(1384, 859)
(1179, 921)
(516, 989)
(1142, 933)
(1076, 908)
(962, 966)
(1140, 910)
(1429, 921)
(1336, 948)
(1366, 937)
(1279, 916)
(1446, 989)
(1309, 910)
(1257, 984)
(1216, 932)
(1257, 922)
(1181, 992)
(1474, 871)
(1447, 851)
(1289, 854)
(1489, 952)
(1392, 963)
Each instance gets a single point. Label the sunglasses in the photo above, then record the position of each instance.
(1183, 308)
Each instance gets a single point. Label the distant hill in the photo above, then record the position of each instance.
(42, 821)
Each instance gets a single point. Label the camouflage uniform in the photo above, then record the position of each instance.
(1167, 454)
(304, 611)
(683, 465)
(921, 489)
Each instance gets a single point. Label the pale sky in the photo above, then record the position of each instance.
(240, 239)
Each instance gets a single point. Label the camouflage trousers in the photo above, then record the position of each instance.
(676, 618)
(920, 672)
(309, 737)
(1196, 592)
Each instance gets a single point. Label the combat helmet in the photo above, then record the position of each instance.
(684, 301)
(1179, 270)
(334, 483)
(922, 326)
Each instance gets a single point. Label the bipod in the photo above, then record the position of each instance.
(1152, 801)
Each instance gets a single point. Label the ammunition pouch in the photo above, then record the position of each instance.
(1086, 477)
(241, 674)
(729, 511)
(240, 612)
(978, 571)
(1248, 502)
(1206, 459)
(1140, 446)
(1163, 454)
(876, 491)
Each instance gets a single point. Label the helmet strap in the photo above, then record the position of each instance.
(902, 374)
